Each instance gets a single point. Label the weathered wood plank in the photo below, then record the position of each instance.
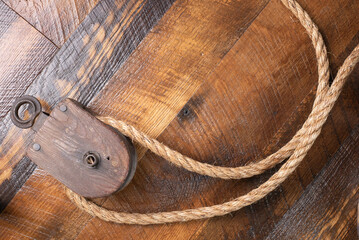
(57, 20)
(173, 61)
(327, 208)
(212, 127)
(343, 118)
(92, 159)
(251, 104)
(142, 77)
(84, 64)
(11, 185)
(21, 60)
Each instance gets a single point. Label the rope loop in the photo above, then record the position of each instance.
(296, 149)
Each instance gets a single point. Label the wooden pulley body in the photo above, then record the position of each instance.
(88, 156)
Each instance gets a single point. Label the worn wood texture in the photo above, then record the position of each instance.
(57, 20)
(21, 60)
(83, 65)
(222, 86)
(217, 126)
(180, 95)
(336, 189)
(92, 159)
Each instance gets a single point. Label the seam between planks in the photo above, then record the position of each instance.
(58, 47)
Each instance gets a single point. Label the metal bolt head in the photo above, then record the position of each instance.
(36, 147)
(63, 108)
(91, 159)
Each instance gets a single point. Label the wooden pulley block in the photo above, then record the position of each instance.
(88, 156)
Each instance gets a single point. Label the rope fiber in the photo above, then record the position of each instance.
(296, 149)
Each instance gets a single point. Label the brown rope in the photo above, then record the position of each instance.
(296, 149)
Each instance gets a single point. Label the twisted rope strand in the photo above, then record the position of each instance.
(296, 148)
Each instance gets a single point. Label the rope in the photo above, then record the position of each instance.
(296, 149)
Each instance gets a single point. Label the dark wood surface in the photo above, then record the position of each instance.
(223, 82)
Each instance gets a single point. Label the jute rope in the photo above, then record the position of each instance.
(296, 149)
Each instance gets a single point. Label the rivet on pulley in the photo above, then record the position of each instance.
(36, 147)
(88, 156)
(63, 108)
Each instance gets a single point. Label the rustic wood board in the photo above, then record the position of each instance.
(21, 60)
(336, 190)
(201, 131)
(57, 20)
(83, 65)
(261, 76)
(217, 45)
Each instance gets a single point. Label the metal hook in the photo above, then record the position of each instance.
(34, 109)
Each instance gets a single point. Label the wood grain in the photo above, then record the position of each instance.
(336, 191)
(235, 117)
(137, 79)
(21, 59)
(241, 100)
(92, 159)
(173, 61)
(84, 64)
(57, 20)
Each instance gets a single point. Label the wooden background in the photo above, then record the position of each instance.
(225, 82)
